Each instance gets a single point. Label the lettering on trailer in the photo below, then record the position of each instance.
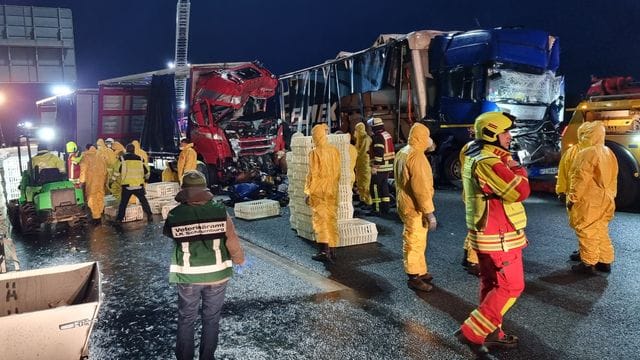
(316, 113)
(74, 324)
(210, 228)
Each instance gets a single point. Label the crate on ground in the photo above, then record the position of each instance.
(167, 207)
(257, 209)
(303, 233)
(110, 200)
(162, 189)
(133, 213)
(156, 204)
(356, 232)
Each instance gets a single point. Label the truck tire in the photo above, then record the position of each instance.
(628, 186)
(451, 169)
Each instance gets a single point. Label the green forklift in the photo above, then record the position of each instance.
(47, 197)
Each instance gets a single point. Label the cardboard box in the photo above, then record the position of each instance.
(49, 313)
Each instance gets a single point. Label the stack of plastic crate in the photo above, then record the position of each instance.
(160, 194)
(133, 213)
(256, 209)
(11, 175)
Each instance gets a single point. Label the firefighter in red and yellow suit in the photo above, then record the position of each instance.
(363, 167)
(321, 192)
(591, 200)
(494, 187)
(73, 162)
(383, 156)
(414, 189)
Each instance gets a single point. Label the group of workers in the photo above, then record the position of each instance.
(494, 187)
(110, 167)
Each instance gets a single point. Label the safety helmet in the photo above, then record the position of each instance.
(71, 147)
(109, 140)
(490, 124)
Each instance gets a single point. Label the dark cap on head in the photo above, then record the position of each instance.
(130, 148)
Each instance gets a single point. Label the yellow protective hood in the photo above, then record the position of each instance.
(136, 145)
(101, 144)
(360, 131)
(419, 137)
(319, 135)
(593, 134)
(186, 146)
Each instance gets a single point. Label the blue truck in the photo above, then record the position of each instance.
(444, 80)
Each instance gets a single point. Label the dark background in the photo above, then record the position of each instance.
(116, 37)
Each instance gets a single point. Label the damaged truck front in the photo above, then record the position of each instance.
(445, 80)
(229, 125)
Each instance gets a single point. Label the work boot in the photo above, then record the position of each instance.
(494, 341)
(575, 256)
(325, 254)
(481, 351)
(583, 268)
(602, 267)
(415, 282)
(464, 261)
(426, 277)
(473, 269)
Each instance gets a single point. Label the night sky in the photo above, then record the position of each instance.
(116, 38)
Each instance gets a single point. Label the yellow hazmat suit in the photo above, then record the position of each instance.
(321, 187)
(590, 198)
(143, 154)
(118, 148)
(363, 166)
(187, 160)
(472, 255)
(567, 159)
(414, 191)
(93, 173)
(168, 175)
(353, 158)
(47, 160)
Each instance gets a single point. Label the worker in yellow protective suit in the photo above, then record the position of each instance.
(143, 154)
(46, 160)
(414, 191)
(115, 185)
(593, 183)
(321, 189)
(170, 173)
(470, 260)
(566, 161)
(363, 165)
(187, 160)
(93, 174)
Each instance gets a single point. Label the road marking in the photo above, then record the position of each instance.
(317, 280)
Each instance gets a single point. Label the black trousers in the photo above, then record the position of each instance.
(380, 195)
(124, 201)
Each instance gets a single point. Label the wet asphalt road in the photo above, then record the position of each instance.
(286, 306)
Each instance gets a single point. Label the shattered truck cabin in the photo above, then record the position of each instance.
(445, 80)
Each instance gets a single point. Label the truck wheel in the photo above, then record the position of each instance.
(13, 213)
(28, 219)
(628, 186)
(451, 169)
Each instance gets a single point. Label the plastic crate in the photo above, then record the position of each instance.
(157, 204)
(110, 200)
(309, 235)
(345, 210)
(162, 189)
(356, 232)
(167, 207)
(257, 209)
(133, 213)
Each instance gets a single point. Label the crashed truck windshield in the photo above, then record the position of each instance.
(512, 87)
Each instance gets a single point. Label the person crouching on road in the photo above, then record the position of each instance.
(321, 192)
(591, 200)
(206, 247)
(494, 187)
(414, 189)
(133, 173)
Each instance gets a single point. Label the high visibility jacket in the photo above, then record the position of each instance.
(47, 160)
(73, 163)
(493, 195)
(383, 151)
(200, 254)
(132, 170)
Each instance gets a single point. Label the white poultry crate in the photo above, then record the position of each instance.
(257, 209)
(356, 232)
(168, 207)
(157, 204)
(133, 213)
(162, 189)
